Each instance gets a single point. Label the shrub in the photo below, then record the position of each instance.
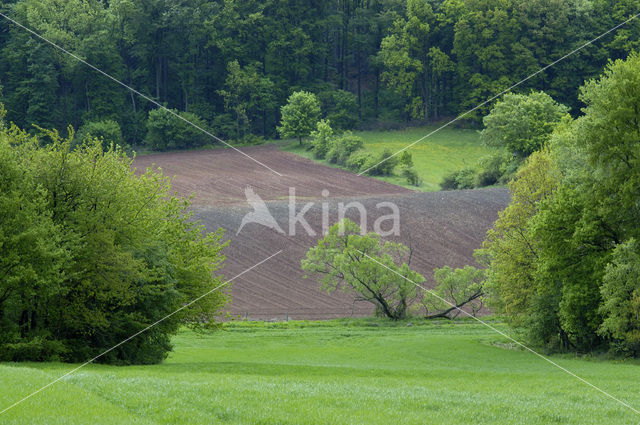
(342, 148)
(108, 131)
(406, 159)
(411, 175)
(459, 179)
(102, 253)
(37, 349)
(360, 160)
(321, 139)
(251, 139)
(166, 131)
(621, 299)
(384, 164)
(492, 168)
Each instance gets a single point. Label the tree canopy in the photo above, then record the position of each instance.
(373, 268)
(235, 63)
(563, 257)
(93, 253)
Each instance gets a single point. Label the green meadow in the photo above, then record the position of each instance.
(338, 372)
(447, 150)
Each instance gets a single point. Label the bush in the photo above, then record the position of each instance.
(108, 131)
(491, 169)
(342, 148)
(223, 126)
(251, 139)
(384, 164)
(321, 139)
(405, 159)
(360, 160)
(459, 179)
(411, 175)
(37, 349)
(102, 254)
(340, 107)
(620, 306)
(166, 131)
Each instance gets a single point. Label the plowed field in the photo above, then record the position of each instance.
(442, 227)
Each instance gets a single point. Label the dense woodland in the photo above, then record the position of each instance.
(232, 64)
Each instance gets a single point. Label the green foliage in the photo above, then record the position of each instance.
(464, 178)
(367, 265)
(166, 131)
(522, 124)
(247, 96)
(621, 298)
(95, 254)
(343, 147)
(360, 160)
(107, 131)
(563, 255)
(412, 176)
(383, 165)
(321, 139)
(459, 288)
(299, 115)
(510, 246)
(340, 107)
(369, 62)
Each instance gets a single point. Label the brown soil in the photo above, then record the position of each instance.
(218, 177)
(442, 227)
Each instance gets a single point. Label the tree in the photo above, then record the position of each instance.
(299, 115)
(404, 54)
(369, 266)
(99, 255)
(522, 124)
(322, 139)
(459, 287)
(621, 299)
(340, 107)
(341, 148)
(166, 131)
(248, 96)
(510, 247)
(108, 131)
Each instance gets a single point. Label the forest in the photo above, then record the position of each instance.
(230, 65)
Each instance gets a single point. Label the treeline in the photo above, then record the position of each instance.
(564, 257)
(232, 64)
(93, 254)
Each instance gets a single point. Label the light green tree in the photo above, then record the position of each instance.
(299, 115)
(367, 265)
(459, 288)
(321, 138)
(522, 124)
(248, 95)
(621, 298)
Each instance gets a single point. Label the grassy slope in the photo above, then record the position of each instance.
(447, 150)
(329, 373)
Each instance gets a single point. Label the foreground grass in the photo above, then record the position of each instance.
(447, 150)
(331, 372)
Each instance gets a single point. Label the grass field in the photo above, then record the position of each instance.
(445, 151)
(329, 373)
